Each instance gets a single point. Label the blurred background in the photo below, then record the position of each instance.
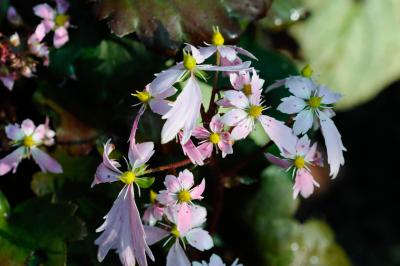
(115, 48)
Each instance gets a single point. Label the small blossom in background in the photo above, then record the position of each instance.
(194, 235)
(13, 17)
(312, 104)
(299, 158)
(53, 20)
(215, 137)
(215, 260)
(154, 212)
(28, 138)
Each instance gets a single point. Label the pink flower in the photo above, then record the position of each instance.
(193, 235)
(215, 137)
(154, 212)
(39, 49)
(123, 229)
(228, 53)
(53, 19)
(8, 81)
(298, 158)
(215, 260)
(313, 105)
(180, 192)
(28, 138)
(186, 109)
(156, 101)
(246, 111)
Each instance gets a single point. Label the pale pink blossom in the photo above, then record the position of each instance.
(156, 101)
(215, 260)
(53, 20)
(312, 104)
(154, 211)
(216, 136)
(298, 159)
(228, 54)
(246, 111)
(180, 191)
(123, 229)
(186, 109)
(194, 235)
(28, 138)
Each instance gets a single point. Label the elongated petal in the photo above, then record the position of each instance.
(303, 122)
(154, 234)
(278, 132)
(191, 151)
(234, 117)
(197, 191)
(242, 129)
(45, 162)
(44, 11)
(176, 256)
(165, 94)
(110, 163)
(333, 143)
(300, 86)
(207, 51)
(291, 105)
(243, 66)
(183, 114)
(283, 163)
(245, 52)
(61, 37)
(11, 161)
(164, 80)
(200, 239)
(14, 132)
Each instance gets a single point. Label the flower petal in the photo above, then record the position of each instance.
(28, 127)
(172, 183)
(333, 143)
(191, 151)
(160, 106)
(300, 86)
(304, 184)
(278, 132)
(215, 124)
(14, 132)
(303, 146)
(238, 67)
(140, 153)
(60, 37)
(328, 96)
(227, 52)
(176, 256)
(199, 215)
(62, 6)
(206, 149)
(234, 117)
(201, 133)
(291, 105)
(207, 51)
(8, 81)
(104, 175)
(200, 239)
(165, 79)
(303, 122)
(283, 163)
(237, 99)
(45, 162)
(184, 113)
(197, 191)
(154, 234)
(11, 161)
(44, 11)
(186, 179)
(242, 129)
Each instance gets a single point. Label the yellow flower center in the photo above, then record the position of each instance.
(217, 38)
(28, 141)
(214, 138)
(299, 162)
(153, 196)
(61, 20)
(188, 61)
(307, 71)
(255, 111)
(315, 101)
(175, 232)
(128, 177)
(247, 89)
(143, 96)
(184, 196)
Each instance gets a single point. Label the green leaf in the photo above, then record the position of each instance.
(144, 182)
(353, 46)
(4, 207)
(36, 231)
(165, 24)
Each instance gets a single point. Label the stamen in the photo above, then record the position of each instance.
(127, 177)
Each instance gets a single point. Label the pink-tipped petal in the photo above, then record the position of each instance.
(200, 239)
(45, 162)
(201, 133)
(206, 149)
(245, 52)
(39, 133)
(172, 184)
(304, 184)
(28, 127)
(184, 216)
(186, 179)
(11, 161)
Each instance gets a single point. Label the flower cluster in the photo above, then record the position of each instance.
(20, 54)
